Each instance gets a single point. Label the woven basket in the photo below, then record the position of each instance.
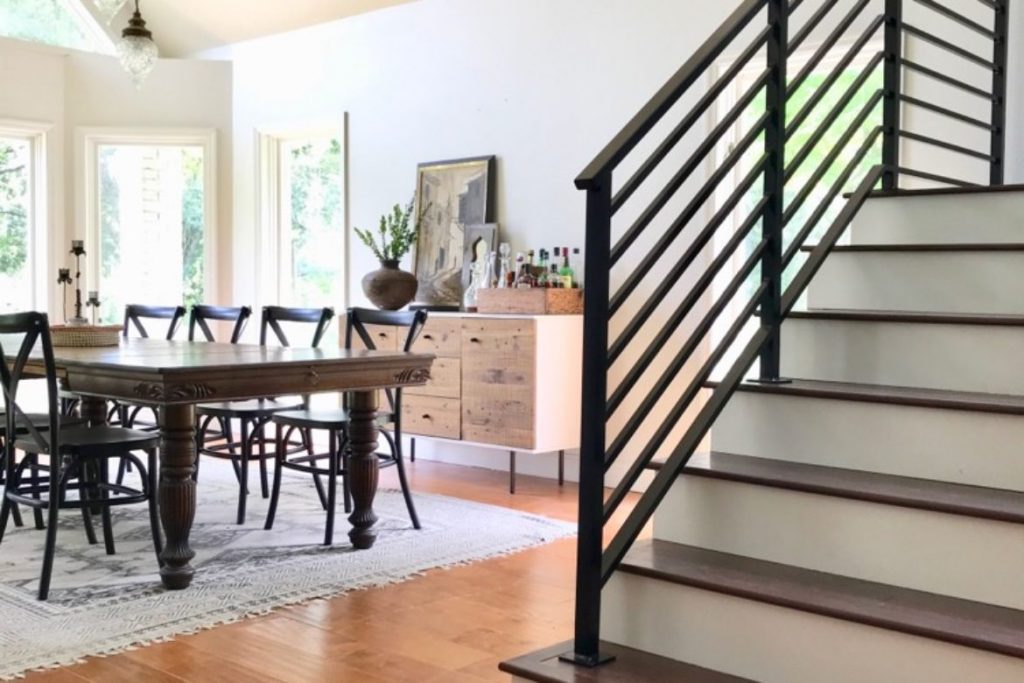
(85, 335)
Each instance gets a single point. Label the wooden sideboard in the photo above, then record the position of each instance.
(499, 381)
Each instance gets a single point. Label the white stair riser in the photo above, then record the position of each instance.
(960, 446)
(944, 282)
(779, 645)
(983, 358)
(944, 219)
(928, 551)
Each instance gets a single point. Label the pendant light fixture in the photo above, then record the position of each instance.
(136, 49)
(109, 8)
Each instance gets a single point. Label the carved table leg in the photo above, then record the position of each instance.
(177, 492)
(363, 467)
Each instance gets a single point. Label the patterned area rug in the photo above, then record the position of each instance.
(102, 604)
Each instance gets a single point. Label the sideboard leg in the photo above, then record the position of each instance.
(512, 472)
(363, 467)
(561, 468)
(177, 492)
(412, 449)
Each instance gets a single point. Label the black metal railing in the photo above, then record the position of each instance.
(738, 323)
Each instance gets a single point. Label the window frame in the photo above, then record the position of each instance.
(36, 133)
(88, 142)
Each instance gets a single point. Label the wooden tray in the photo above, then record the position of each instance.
(535, 301)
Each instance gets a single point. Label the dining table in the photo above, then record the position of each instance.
(175, 376)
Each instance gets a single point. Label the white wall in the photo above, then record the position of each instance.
(70, 89)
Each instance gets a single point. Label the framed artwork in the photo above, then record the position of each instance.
(480, 240)
(449, 196)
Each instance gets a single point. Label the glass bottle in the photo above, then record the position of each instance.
(505, 268)
(566, 270)
(577, 265)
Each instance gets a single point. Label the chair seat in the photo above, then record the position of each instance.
(42, 421)
(333, 418)
(261, 407)
(96, 440)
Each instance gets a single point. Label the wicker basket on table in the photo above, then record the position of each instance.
(85, 335)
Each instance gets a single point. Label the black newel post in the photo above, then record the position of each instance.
(893, 86)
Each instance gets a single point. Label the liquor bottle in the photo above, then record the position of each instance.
(523, 279)
(577, 265)
(542, 279)
(505, 273)
(566, 271)
(554, 279)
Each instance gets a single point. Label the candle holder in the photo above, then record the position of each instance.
(78, 249)
(64, 279)
(94, 302)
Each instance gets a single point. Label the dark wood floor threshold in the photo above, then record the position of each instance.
(921, 248)
(952, 620)
(939, 191)
(873, 487)
(630, 666)
(1003, 404)
(915, 317)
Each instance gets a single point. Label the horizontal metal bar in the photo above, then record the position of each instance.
(652, 112)
(837, 187)
(829, 239)
(948, 80)
(908, 135)
(948, 46)
(671, 420)
(670, 234)
(978, 123)
(957, 17)
(838, 110)
(812, 23)
(793, 125)
(687, 303)
(691, 118)
(990, 4)
(826, 47)
(925, 175)
(695, 161)
(673, 467)
(793, 207)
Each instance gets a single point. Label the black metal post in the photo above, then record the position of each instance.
(999, 78)
(774, 186)
(893, 85)
(586, 649)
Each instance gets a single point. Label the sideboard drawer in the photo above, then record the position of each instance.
(431, 416)
(440, 336)
(385, 337)
(445, 380)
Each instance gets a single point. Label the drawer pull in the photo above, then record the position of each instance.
(426, 416)
(427, 336)
(474, 340)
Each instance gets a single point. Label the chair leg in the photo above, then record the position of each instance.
(346, 487)
(332, 491)
(264, 485)
(53, 507)
(275, 490)
(101, 476)
(6, 507)
(37, 513)
(561, 468)
(152, 477)
(512, 472)
(412, 449)
(406, 493)
(243, 472)
(84, 497)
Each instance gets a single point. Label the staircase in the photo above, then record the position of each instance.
(856, 513)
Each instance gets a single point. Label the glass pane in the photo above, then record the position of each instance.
(151, 226)
(15, 235)
(314, 248)
(47, 21)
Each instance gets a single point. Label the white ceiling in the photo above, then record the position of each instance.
(186, 27)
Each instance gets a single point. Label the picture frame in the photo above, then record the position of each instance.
(480, 240)
(450, 195)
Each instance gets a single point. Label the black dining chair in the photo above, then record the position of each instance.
(135, 316)
(336, 421)
(253, 416)
(77, 458)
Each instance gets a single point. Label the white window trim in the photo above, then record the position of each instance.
(36, 133)
(270, 211)
(87, 219)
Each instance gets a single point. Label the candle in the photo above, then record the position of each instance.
(77, 244)
(94, 296)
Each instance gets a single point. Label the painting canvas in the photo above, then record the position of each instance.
(449, 196)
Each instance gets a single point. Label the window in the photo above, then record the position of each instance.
(150, 234)
(303, 208)
(22, 219)
(65, 23)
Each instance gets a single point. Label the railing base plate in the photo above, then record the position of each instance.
(589, 662)
(777, 380)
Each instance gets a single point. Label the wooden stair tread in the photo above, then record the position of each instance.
(952, 620)
(939, 191)
(926, 248)
(630, 666)
(916, 317)
(881, 393)
(875, 487)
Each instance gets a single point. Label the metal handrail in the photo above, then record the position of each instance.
(775, 212)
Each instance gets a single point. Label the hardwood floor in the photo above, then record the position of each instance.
(450, 625)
